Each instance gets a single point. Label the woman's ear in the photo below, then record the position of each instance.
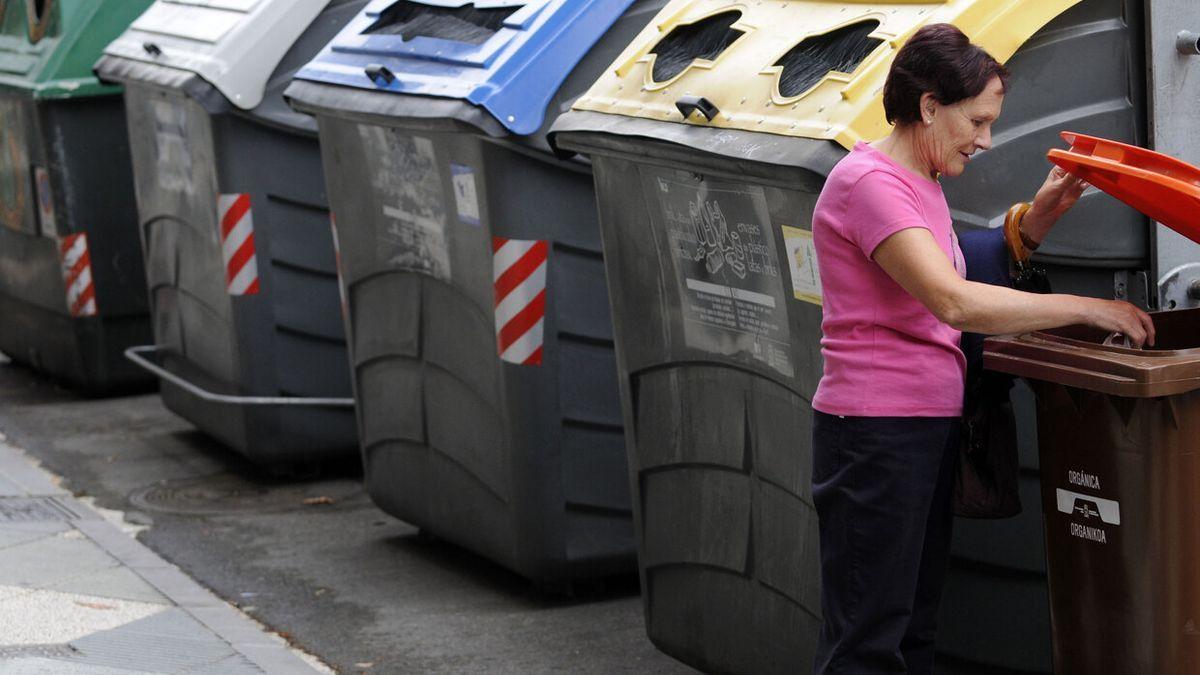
(928, 108)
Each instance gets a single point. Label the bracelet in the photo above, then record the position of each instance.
(1014, 238)
(1029, 243)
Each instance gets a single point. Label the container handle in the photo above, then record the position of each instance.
(689, 104)
(135, 354)
(378, 72)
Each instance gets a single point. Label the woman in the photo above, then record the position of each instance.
(895, 303)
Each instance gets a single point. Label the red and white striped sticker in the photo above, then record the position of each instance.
(237, 244)
(77, 275)
(519, 277)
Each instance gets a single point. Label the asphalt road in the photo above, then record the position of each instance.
(344, 581)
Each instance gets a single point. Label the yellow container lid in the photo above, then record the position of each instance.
(735, 68)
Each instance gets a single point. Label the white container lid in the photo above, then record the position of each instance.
(234, 45)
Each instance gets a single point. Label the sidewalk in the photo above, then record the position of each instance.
(78, 595)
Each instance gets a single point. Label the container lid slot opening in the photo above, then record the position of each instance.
(466, 24)
(705, 39)
(810, 61)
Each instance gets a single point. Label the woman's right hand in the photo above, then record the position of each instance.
(1121, 317)
(1060, 192)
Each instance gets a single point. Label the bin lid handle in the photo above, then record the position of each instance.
(380, 74)
(690, 103)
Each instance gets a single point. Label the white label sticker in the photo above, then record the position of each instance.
(802, 259)
(465, 195)
(1087, 507)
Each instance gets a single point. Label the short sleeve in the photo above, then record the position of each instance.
(879, 205)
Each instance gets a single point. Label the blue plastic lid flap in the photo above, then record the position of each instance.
(507, 56)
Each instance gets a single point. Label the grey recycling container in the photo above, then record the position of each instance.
(710, 138)
(477, 311)
(235, 225)
(72, 296)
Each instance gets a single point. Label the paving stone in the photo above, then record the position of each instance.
(14, 537)
(170, 642)
(48, 617)
(118, 544)
(179, 587)
(173, 623)
(16, 468)
(116, 582)
(9, 488)
(233, 626)
(274, 659)
(38, 509)
(233, 665)
(46, 527)
(51, 651)
(53, 559)
(44, 666)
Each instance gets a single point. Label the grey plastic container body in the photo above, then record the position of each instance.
(718, 417)
(189, 145)
(720, 451)
(83, 147)
(287, 340)
(523, 464)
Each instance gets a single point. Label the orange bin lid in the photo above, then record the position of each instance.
(1159, 186)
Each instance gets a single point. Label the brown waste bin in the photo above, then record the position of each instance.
(1119, 437)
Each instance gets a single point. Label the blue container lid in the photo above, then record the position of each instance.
(507, 56)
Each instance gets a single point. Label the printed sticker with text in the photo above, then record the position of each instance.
(802, 259)
(465, 196)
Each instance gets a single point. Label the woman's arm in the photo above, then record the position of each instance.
(913, 259)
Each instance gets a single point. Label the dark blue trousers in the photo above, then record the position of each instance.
(882, 488)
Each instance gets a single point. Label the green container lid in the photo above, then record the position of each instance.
(48, 47)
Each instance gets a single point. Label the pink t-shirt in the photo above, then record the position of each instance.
(886, 355)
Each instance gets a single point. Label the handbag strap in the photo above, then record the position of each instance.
(1017, 249)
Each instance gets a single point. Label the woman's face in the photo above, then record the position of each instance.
(957, 131)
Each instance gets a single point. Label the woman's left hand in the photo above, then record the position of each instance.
(1059, 193)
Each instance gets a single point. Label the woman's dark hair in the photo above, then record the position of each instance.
(941, 60)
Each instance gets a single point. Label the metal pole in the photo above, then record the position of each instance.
(135, 354)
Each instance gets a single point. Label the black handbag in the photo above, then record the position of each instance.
(987, 473)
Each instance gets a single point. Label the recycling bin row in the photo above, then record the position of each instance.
(474, 296)
(546, 267)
